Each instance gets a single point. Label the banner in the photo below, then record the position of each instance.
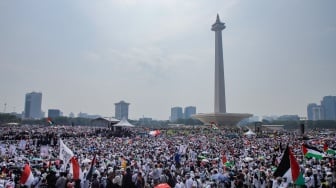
(3, 150)
(22, 144)
(12, 149)
(65, 153)
(44, 152)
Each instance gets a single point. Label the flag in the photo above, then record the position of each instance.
(155, 133)
(213, 125)
(224, 160)
(228, 164)
(327, 150)
(49, 121)
(27, 177)
(310, 151)
(289, 168)
(92, 168)
(65, 153)
(75, 169)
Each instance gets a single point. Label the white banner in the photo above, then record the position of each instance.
(183, 149)
(65, 153)
(3, 150)
(12, 149)
(44, 151)
(22, 144)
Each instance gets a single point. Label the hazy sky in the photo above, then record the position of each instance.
(86, 55)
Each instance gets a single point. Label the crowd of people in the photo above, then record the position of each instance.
(178, 157)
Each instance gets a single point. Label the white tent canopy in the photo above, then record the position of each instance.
(249, 132)
(123, 123)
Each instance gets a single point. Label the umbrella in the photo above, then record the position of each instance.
(162, 185)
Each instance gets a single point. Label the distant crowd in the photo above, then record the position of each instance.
(177, 157)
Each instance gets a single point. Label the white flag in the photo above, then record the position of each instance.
(65, 153)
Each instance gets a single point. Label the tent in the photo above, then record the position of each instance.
(123, 123)
(249, 133)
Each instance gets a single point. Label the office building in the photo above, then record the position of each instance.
(310, 113)
(121, 110)
(318, 113)
(188, 111)
(328, 104)
(176, 113)
(315, 112)
(54, 113)
(33, 103)
(88, 116)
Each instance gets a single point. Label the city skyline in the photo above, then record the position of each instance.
(279, 56)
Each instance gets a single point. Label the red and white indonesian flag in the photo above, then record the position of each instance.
(75, 169)
(65, 153)
(155, 133)
(27, 177)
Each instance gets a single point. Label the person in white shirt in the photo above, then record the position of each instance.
(179, 183)
(189, 181)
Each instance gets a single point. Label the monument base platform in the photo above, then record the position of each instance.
(221, 119)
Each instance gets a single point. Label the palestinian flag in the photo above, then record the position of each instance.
(224, 159)
(213, 126)
(92, 168)
(289, 168)
(310, 151)
(328, 150)
(228, 164)
(49, 121)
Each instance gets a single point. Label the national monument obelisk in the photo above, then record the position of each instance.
(220, 105)
(220, 116)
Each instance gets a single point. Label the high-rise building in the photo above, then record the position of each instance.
(188, 111)
(315, 112)
(176, 113)
(71, 115)
(310, 112)
(329, 107)
(33, 103)
(54, 113)
(121, 110)
(318, 113)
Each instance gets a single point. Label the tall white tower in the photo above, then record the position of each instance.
(220, 105)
